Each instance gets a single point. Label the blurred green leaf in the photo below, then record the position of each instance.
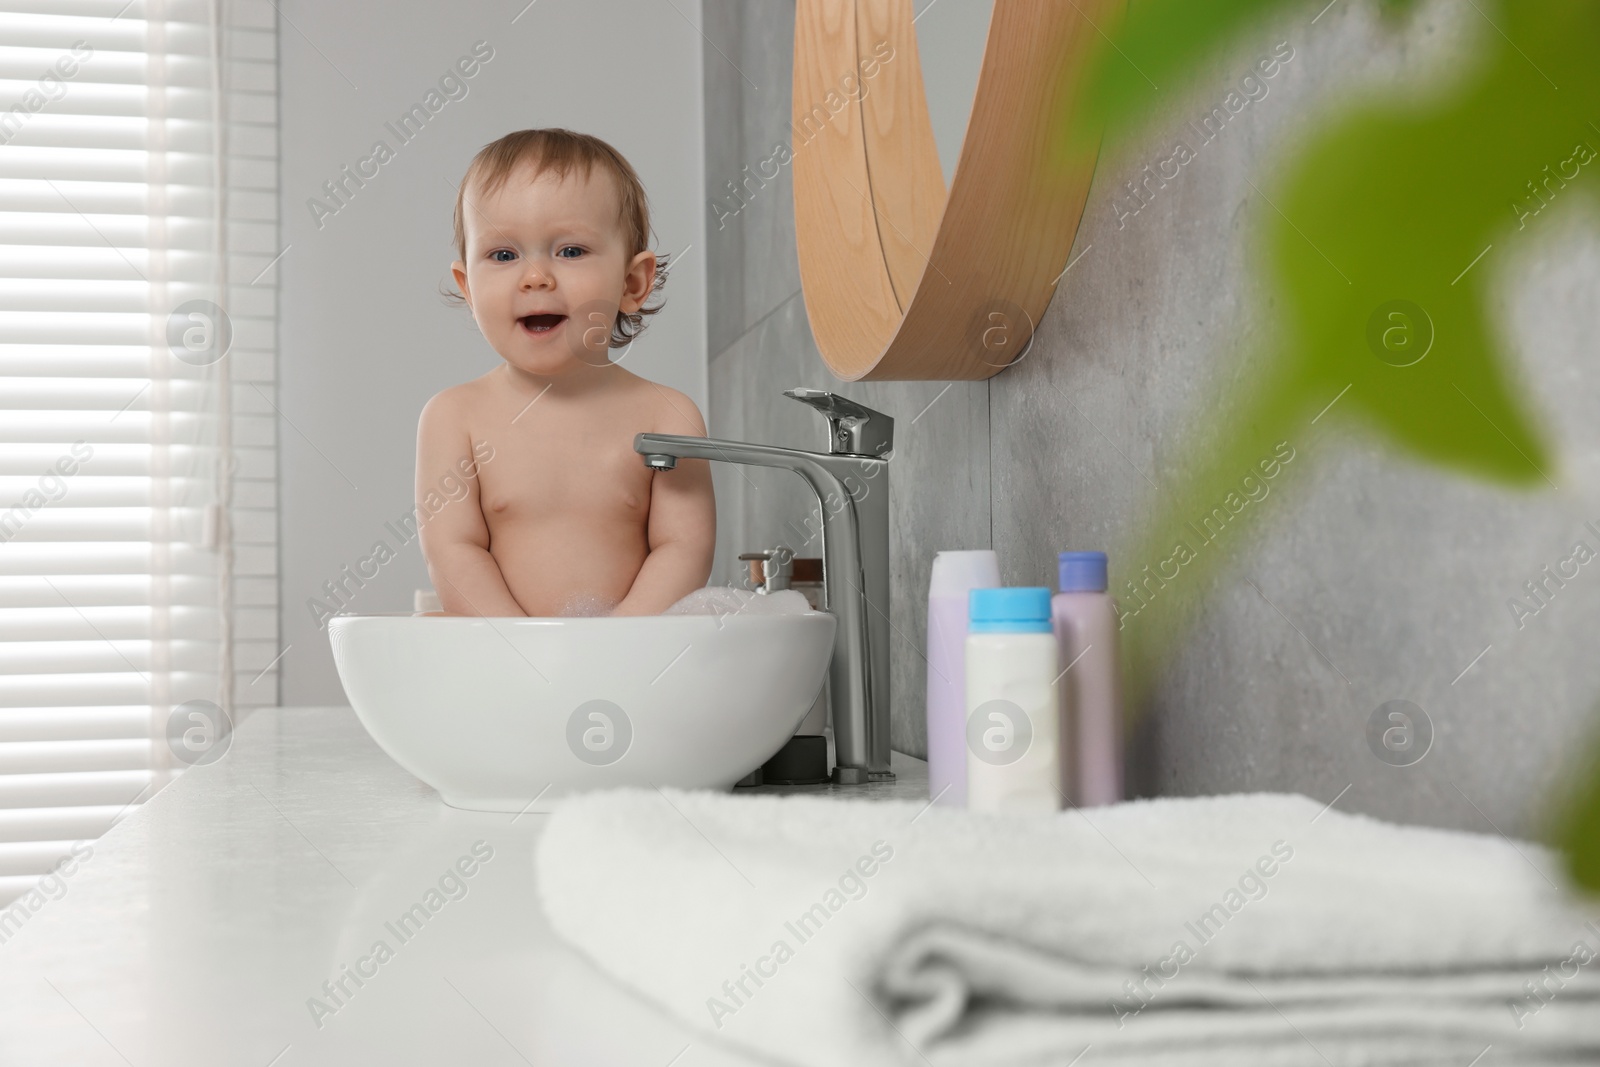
(1152, 55)
(1577, 831)
(1381, 236)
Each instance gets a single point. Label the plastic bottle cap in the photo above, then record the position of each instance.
(1082, 572)
(1009, 609)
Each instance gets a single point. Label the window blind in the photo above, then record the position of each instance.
(138, 171)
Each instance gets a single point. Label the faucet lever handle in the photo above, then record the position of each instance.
(775, 570)
(853, 429)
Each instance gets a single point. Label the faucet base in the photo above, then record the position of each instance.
(859, 776)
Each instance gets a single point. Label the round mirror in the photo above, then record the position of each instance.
(904, 281)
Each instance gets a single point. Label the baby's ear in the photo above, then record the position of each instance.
(638, 281)
(459, 270)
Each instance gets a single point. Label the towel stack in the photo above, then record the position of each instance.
(1262, 929)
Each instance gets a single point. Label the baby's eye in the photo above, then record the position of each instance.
(574, 249)
(502, 255)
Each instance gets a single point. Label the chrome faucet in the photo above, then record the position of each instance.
(851, 481)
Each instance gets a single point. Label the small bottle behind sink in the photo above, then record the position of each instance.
(807, 581)
(772, 569)
(804, 759)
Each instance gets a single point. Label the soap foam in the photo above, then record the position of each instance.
(727, 600)
(588, 605)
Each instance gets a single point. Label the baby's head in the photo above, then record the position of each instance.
(552, 228)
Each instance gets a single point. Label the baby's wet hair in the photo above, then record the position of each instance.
(560, 151)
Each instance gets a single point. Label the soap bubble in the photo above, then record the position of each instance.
(198, 732)
(599, 732)
(999, 732)
(1399, 733)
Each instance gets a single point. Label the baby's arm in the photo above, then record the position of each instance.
(682, 525)
(455, 541)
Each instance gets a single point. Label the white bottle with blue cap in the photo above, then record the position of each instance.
(1013, 717)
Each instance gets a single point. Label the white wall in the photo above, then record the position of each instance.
(366, 339)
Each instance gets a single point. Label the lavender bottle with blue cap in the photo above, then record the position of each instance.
(1090, 688)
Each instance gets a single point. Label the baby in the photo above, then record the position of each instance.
(561, 516)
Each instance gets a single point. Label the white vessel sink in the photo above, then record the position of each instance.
(512, 714)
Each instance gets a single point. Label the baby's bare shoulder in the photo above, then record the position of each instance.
(455, 405)
(451, 401)
(671, 411)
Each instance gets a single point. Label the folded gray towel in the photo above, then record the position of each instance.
(1261, 929)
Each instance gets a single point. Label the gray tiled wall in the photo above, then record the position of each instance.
(1375, 578)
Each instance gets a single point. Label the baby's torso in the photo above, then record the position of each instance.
(565, 497)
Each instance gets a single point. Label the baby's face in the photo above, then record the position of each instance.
(548, 267)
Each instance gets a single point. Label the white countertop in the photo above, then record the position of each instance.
(202, 924)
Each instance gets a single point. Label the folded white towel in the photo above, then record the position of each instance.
(1259, 929)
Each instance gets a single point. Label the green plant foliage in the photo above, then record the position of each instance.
(1575, 825)
(1381, 236)
(1153, 53)
(1151, 56)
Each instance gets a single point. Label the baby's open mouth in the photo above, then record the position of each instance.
(541, 323)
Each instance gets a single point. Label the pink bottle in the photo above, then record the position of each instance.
(1090, 688)
(955, 574)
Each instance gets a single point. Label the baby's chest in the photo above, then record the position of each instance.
(608, 482)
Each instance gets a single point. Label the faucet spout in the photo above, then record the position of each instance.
(853, 491)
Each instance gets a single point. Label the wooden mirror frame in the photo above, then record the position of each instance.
(901, 282)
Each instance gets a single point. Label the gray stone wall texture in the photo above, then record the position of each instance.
(1372, 578)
